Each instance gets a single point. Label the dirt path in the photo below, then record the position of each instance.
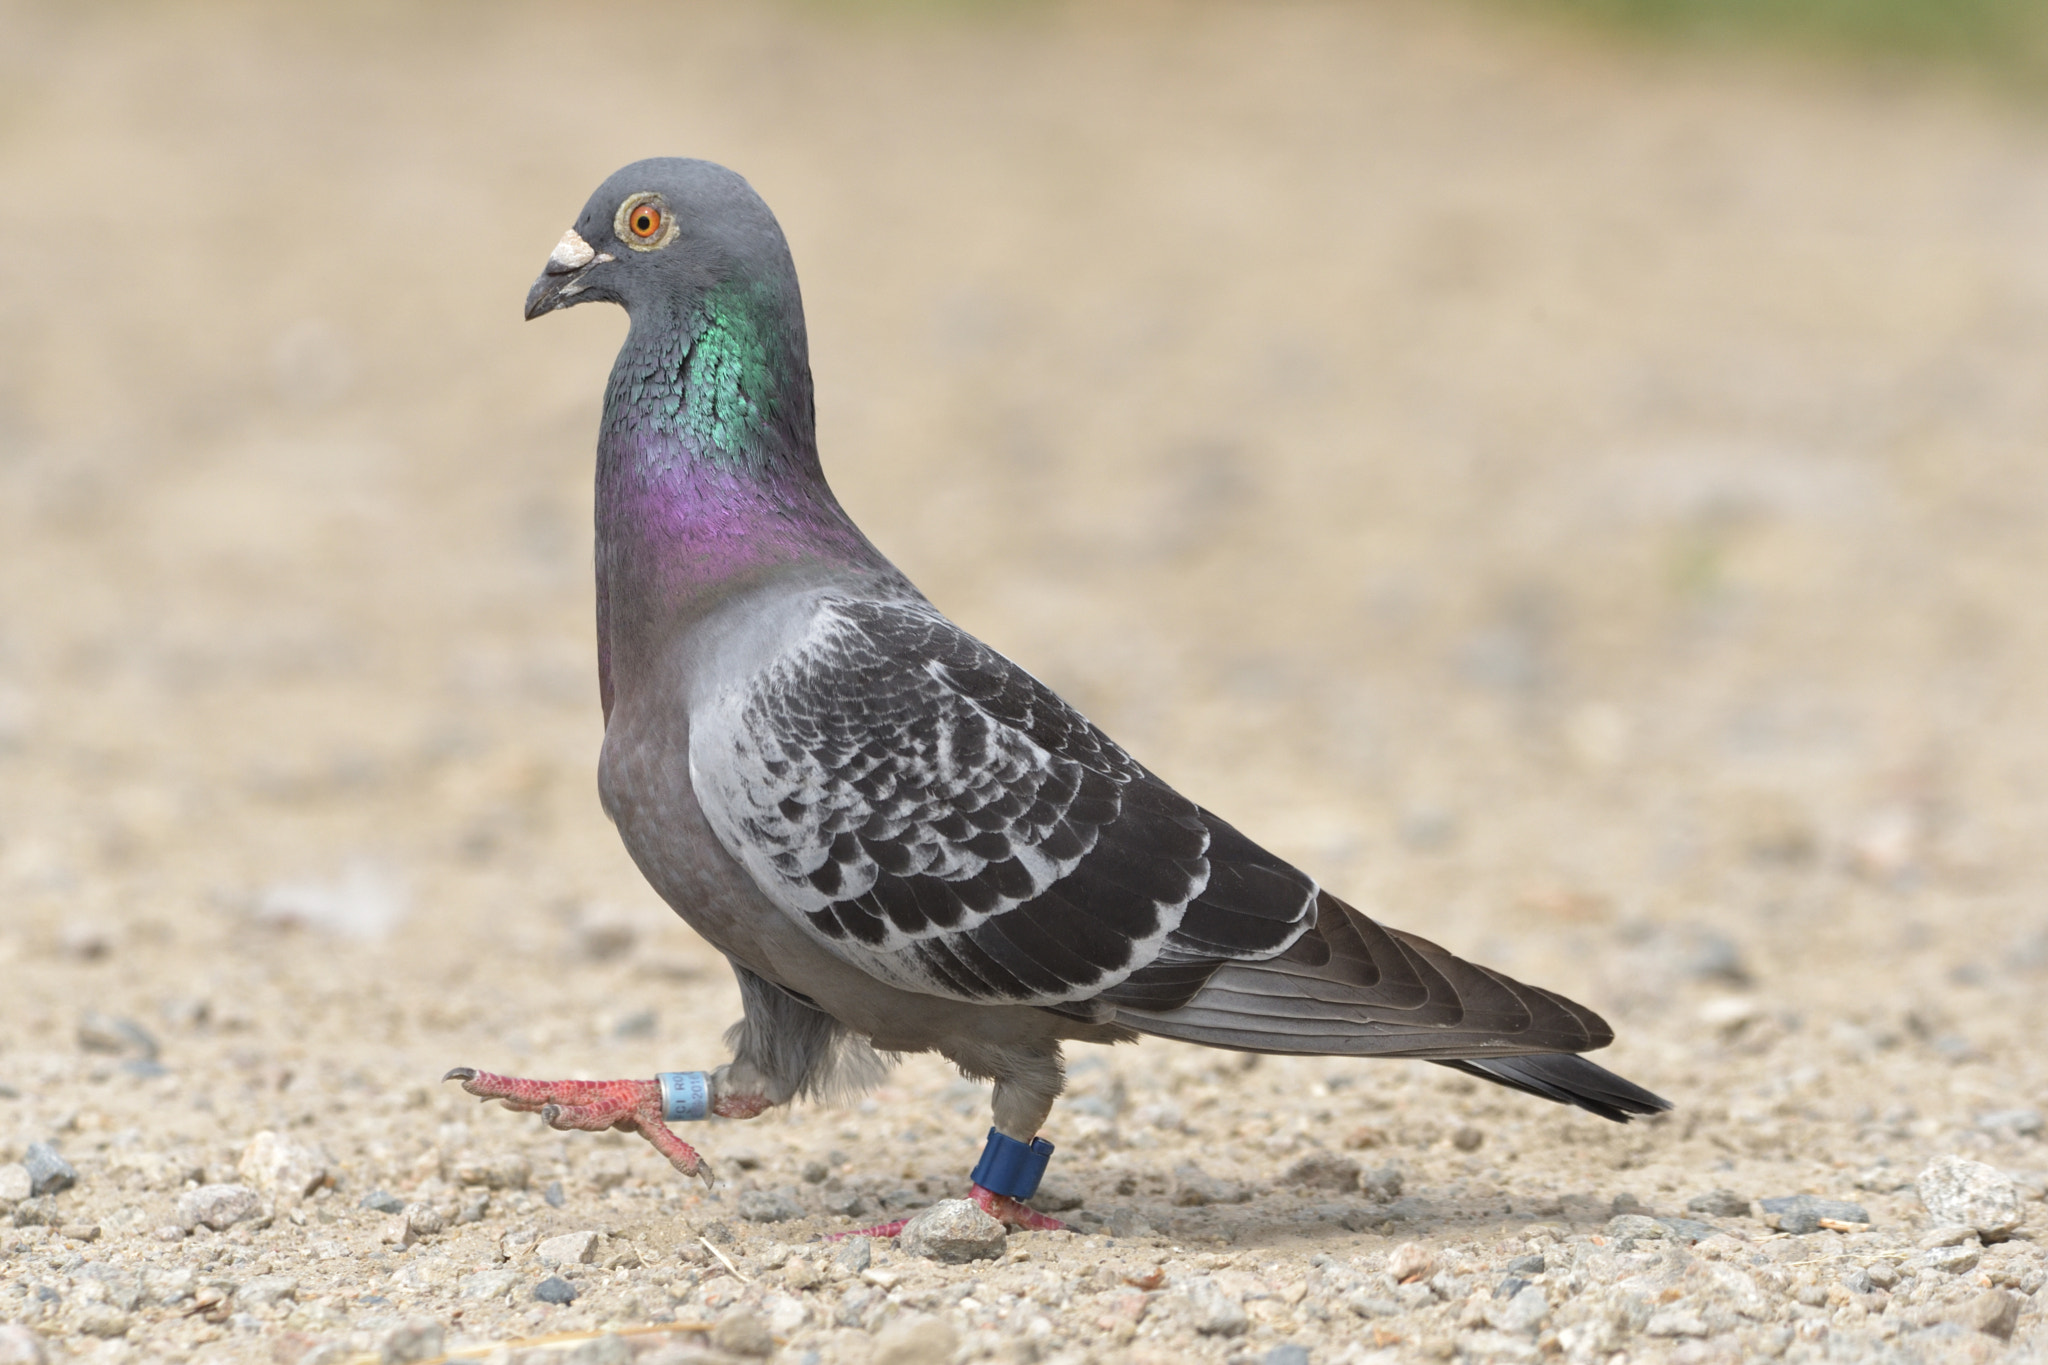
(1586, 507)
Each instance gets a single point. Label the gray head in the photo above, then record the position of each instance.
(660, 234)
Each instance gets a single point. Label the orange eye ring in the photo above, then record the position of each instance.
(645, 222)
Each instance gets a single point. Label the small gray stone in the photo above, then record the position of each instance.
(1952, 1260)
(1193, 1187)
(609, 1349)
(742, 1334)
(21, 1345)
(915, 1341)
(1287, 1353)
(846, 1203)
(1800, 1214)
(1969, 1193)
(1523, 1313)
(816, 1172)
(955, 1231)
(553, 1194)
(123, 1037)
(15, 1183)
(414, 1339)
(265, 1290)
(2015, 1122)
(1947, 1236)
(570, 1248)
(1687, 1230)
(853, 1255)
(379, 1201)
(48, 1173)
(1995, 1313)
(768, 1206)
(1634, 1227)
(1324, 1171)
(487, 1284)
(1674, 1322)
(554, 1289)
(1531, 1264)
(219, 1207)
(1217, 1314)
(1383, 1184)
(1719, 1203)
(1368, 1305)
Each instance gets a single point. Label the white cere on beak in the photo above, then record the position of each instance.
(572, 252)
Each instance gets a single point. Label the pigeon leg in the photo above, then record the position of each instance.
(593, 1106)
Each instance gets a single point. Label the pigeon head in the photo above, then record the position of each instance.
(660, 235)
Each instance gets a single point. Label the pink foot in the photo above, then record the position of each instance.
(1003, 1208)
(592, 1106)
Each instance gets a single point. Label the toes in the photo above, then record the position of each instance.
(464, 1074)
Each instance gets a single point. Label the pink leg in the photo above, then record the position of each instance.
(1001, 1207)
(592, 1106)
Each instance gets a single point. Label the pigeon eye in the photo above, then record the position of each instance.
(643, 222)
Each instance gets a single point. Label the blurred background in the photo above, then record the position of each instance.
(1568, 473)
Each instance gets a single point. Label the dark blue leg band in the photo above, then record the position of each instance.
(1010, 1167)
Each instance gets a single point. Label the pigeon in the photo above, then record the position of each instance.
(902, 841)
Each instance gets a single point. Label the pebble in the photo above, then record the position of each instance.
(1800, 1214)
(569, 1248)
(48, 1173)
(265, 1290)
(281, 1168)
(123, 1037)
(915, 1341)
(1675, 1322)
(1995, 1312)
(554, 1289)
(1523, 1313)
(1216, 1312)
(219, 1207)
(853, 1255)
(1287, 1353)
(487, 1284)
(1965, 1193)
(1718, 1203)
(2014, 1122)
(846, 1203)
(412, 1340)
(492, 1170)
(768, 1206)
(1193, 1187)
(21, 1345)
(1947, 1236)
(1631, 1227)
(955, 1231)
(1410, 1261)
(1954, 1260)
(15, 1183)
(742, 1334)
(380, 1201)
(1383, 1184)
(1324, 1171)
(1688, 1230)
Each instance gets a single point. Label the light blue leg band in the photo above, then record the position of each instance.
(685, 1095)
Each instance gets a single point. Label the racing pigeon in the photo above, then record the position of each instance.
(902, 841)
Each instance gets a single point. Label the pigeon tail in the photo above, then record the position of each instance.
(1352, 987)
(1566, 1078)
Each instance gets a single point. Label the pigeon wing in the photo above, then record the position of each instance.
(936, 816)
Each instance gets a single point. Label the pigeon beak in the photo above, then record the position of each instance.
(562, 280)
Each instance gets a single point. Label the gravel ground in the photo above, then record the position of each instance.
(1585, 506)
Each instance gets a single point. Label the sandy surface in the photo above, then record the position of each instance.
(1584, 506)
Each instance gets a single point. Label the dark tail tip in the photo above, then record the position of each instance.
(1566, 1078)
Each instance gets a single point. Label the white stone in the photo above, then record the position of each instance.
(281, 1168)
(1965, 1193)
(218, 1206)
(14, 1183)
(570, 1248)
(953, 1230)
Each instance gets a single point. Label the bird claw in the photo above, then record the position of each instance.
(589, 1106)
